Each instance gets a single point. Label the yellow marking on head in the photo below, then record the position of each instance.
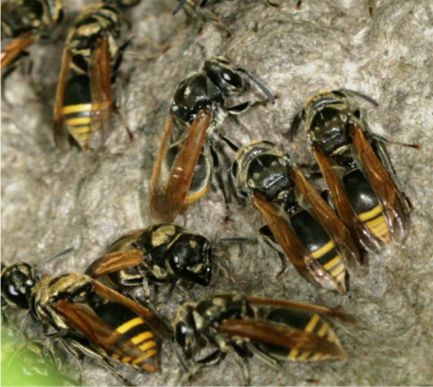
(142, 337)
(78, 121)
(125, 327)
(338, 270)
(144, 356)
(126, 359)
(312, 323)
(370, 214)
(148, 345)
(321, 251)
(79, 108)
(333, 262)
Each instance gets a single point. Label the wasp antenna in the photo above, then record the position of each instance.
(234, 147)
(358, 94)
(52, 258)
(259, 84)
(179, 6)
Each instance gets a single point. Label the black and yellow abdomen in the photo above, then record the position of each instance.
(304, 321)
(132, 329)
(77, 109)
(320, 246)
(366, 205)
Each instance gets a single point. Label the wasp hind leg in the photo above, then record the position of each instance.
(101, 359)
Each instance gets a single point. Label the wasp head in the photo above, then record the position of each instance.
(262, 167)
(17, 282)
(185, 331)
(191, 258)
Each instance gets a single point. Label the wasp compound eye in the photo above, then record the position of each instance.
(17, 283)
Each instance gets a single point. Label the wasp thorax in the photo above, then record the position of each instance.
(193, 94)
(18, 281)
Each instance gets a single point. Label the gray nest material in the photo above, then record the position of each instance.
(52, 199)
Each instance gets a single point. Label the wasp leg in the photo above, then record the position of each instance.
(268, 238)
(103, 360)
(208, 15)
(270, 361)
(244, 366)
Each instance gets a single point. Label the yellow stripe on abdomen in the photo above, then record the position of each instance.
(376, 223)
(297, 354)
(79, 108)
(326, 248)
(125, 327)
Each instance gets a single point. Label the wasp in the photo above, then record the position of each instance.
(158, 254)
(91, 57)
(182, 170)
(356, 166)
(25, 22)
(274, 330)
(92, 318)
(299, 223)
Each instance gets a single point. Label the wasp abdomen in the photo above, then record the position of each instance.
(366, 205)
(131, 327)
(77, 108)
(304, 321)
(318, 243)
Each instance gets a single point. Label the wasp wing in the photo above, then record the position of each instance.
(320, 309)
(340, 200)
(395, 206)
(265, 332)
(140, 350)
(167, 202)
(325, 216)
(13, 50)
(275, 219)
(100, 89)
(114, 262)
(60, 133)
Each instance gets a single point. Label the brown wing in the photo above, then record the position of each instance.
(283, 336)
(60, 134)
(15, 48)
(114, 262)
(320, 309)
(149, 315)
(274, 217)
(100, 90)
(100, 334)
(171, 201)
(394, 206)
(339, 197)
(157, 197)
(325, 216)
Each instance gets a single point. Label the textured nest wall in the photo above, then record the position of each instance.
(52, 200)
